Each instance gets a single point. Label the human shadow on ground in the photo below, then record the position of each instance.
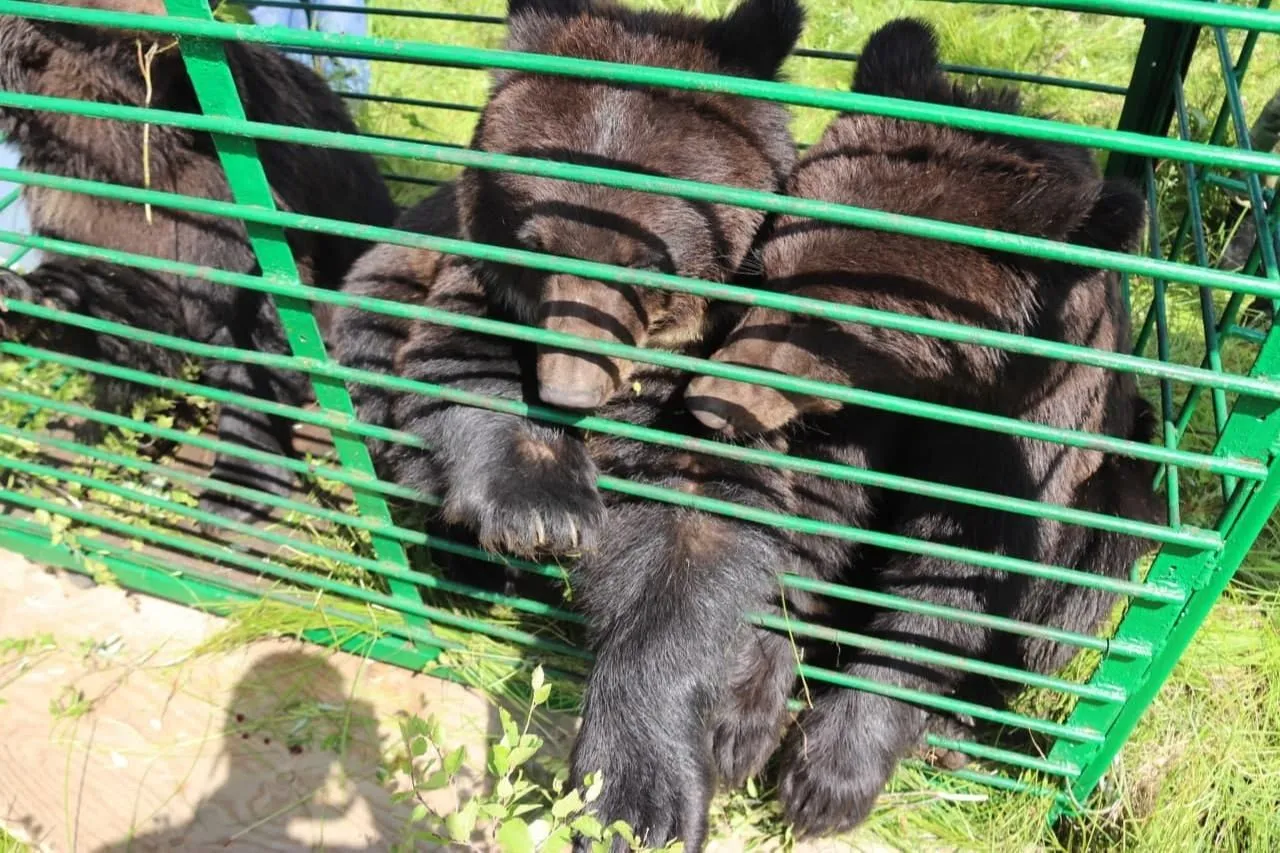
(291, 718)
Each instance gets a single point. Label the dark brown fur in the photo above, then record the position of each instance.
(102, 65)
(662, 604)
(843, 749)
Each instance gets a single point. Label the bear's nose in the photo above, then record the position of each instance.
(714, 413)
(572, 380)
(581, 399)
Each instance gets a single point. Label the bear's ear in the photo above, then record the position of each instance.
(550, 8)
(1115, 221)
(900, 60)
(757, 36)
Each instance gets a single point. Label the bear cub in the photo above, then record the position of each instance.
(102, 65)
(842, 750)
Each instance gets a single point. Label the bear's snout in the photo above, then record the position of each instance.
(575, 380)
(736, 408)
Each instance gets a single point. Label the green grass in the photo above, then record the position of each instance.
(9, 844)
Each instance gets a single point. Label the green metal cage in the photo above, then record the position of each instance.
(121, 507)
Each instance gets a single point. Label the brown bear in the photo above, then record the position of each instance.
(99, 64)
(844, 748)
(662, 587)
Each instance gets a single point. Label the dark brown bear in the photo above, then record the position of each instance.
(103, 65)
(844, 748)
(663, 588)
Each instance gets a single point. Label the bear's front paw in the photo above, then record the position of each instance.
(661, 799)
(742, 742)
(829, 780)
(538, 499)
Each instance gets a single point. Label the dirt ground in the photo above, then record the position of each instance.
(118, 735)
(118, 732)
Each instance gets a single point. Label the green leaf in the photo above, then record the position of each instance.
(503, 790)
(510, 732)
(419, 813)
(494, 811)
(453, 761)
(588, 825)
(595, 784)
(514, 837)
(566, 806)
(527, 749)
(462, 823)
(500, 758)
(418, 746)
(625, 832)
(436, 781)
(539, 678)
(232, 13)
(751, 787)
(541, 695)
(560, 839)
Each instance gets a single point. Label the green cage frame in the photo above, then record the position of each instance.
(398, 624)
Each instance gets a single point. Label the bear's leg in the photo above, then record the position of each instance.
(748, 724)
(843, 750)
(255, 325)
(110, 292)
(664, 598)
(522, 487)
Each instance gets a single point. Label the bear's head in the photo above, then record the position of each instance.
(70, 60)
(701, 136)
(994, 182)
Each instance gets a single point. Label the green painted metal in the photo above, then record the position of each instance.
(467, 57)
(826, 211)
(1188, 536)
(1231, 466)
(215, 88)
(349, 567)
(1164, 55)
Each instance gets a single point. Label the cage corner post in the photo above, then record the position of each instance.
(1164, 55)
(1252, 431)
(217, 95)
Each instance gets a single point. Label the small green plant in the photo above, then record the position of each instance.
(23, 646)
(70, 704)
(517, 813)
(9, 844)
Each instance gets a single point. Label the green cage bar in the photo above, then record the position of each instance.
(362, 580)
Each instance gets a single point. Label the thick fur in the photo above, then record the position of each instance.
(103, 65)
(843, 749)
(662, 588)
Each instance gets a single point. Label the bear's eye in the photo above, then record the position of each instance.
(530, 240)
(649, 261)
(823, 326)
